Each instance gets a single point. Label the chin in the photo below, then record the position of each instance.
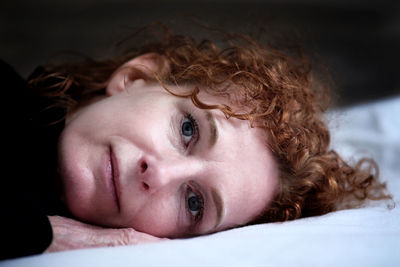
(75, 201)
(86, 207)
(76, 193)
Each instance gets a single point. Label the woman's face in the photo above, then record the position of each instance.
(145, 159)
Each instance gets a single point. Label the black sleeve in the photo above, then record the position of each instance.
(24, 228)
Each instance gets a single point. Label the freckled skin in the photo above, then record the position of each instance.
(142, 125)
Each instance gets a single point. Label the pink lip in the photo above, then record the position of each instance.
(115, 178)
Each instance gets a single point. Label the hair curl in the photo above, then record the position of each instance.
(274, 89)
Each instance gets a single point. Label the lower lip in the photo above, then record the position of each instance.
(112, 177)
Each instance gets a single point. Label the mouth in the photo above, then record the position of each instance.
(115, 178)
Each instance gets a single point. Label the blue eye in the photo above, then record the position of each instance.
(189, 130)
(195, 205)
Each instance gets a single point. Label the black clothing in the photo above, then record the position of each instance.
(28, 191)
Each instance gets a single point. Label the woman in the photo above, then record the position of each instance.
(176, 139)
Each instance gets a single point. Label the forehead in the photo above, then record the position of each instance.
(243, 168)
(240, 165)
(246, 173)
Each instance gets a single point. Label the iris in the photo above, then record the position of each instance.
(194, 203)
(187, 128)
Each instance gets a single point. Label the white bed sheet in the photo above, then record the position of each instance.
(369, 236)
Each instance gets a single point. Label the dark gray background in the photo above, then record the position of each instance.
(358, 41)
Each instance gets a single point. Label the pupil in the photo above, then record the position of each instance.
(187, 129)
(194, 204)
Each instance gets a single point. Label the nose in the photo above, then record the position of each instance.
(157, 173)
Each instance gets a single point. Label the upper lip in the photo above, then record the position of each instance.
(115, 176)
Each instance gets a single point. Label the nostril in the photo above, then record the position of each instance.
(145, 186)
(143, 167)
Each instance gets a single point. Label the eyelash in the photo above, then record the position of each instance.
(195, 136)
(199, 215)
(190, 192)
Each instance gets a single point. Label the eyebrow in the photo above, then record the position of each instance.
(219, 205)
(213, 129)
(216, 196)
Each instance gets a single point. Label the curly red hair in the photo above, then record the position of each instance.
(275, 90)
